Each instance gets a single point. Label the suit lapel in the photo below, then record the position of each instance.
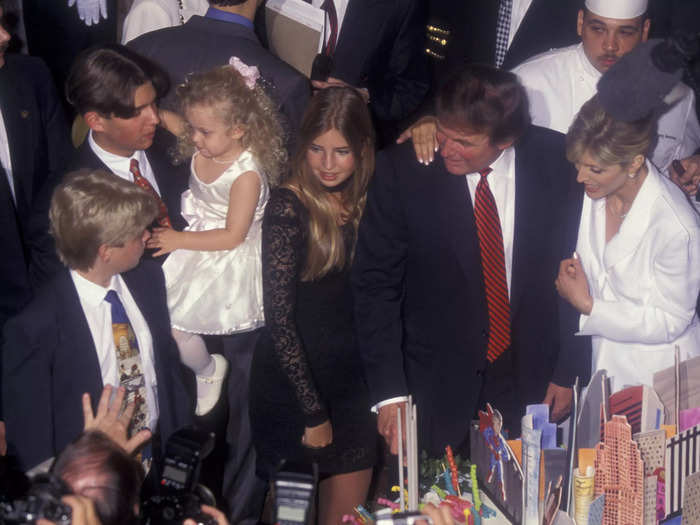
(530, 221)
(458, 219)
(18, 115)
(636, 223)
(77, 339)
(359, 33)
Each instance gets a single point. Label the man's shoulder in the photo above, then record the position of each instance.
(538, 136)
(51, 298)
(26, 65)
(549, 62)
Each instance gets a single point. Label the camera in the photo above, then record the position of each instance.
(179, 495)
(294, 489)
(41, 500)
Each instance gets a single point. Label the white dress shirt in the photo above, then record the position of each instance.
(502, 184)
(98, 314)
(5, 159)
(120, 165)
(517, 14)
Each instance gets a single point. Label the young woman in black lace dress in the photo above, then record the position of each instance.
(309, 402)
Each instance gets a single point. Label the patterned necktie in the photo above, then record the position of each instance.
(329, 7)
(503, 30)
(129, 363)
(141, 181)
(493, 267)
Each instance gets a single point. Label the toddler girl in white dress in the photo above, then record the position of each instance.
(213, 274)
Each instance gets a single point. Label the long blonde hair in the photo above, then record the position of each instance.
(237, 104)
(344, 110)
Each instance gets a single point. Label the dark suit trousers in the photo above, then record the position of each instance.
(500, 388)
(243, 491)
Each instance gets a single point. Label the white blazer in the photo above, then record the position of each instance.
(644, 282)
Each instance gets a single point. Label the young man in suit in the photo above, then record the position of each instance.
(453, 273)
(116, 90)
(102, 320)
(205, 42)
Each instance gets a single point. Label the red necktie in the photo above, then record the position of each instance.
(141, 181)
(493, 266)
(329, 7)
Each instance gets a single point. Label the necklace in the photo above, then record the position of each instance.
(229, 161)
(616, 214)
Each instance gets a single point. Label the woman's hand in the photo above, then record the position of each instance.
(319, 436)
(440, 515)
(572, 285)
(165, 240)
(423, 133)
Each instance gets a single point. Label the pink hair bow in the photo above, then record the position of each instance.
(250, 74)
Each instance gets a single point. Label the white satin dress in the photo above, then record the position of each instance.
(217, 292)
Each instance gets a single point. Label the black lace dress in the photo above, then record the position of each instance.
(306, 367)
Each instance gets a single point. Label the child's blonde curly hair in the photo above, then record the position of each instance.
(237, 105)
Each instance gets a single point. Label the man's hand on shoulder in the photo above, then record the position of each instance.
(559, 400)
(423, 133)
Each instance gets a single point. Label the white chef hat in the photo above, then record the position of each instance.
(623, 9)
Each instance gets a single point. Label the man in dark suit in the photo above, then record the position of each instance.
(466, 32)
(205, 42)
(36, 151)
(33, 150)
(379, 50)
(454, 267)
(67, 340)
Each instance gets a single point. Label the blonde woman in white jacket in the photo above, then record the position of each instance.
(636, 272)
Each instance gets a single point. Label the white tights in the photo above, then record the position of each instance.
(193, 353)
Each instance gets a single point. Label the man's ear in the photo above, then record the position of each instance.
(94, 121)
(579, 23)
(645, 29)
(104, 253)
(505, 144)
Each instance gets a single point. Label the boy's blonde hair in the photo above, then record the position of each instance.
(92, 208)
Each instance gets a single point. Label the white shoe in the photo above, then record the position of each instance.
(209, 387)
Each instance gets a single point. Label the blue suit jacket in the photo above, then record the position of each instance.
(50, 361)
(419, 293)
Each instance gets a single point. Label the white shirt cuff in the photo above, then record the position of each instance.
(389, 401)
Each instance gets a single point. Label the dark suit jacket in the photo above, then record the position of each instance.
(204, 43)
(547, 24)
(380, 47)
(419, 294)
(50, 361)
(38, 139)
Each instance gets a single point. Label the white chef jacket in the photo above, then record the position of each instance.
(644, 283)
(560, 81)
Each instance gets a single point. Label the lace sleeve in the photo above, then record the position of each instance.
(283, 246)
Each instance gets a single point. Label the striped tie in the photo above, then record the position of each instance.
(493, 266)
(140, 180)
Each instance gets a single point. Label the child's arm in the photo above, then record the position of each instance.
(243, 199)
(172, 121)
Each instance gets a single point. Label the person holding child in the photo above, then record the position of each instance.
(214, 272)
(309, 402)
